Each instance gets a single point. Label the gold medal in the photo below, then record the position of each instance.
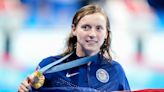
(38, 80)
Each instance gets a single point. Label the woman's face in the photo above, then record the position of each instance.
(90, 32)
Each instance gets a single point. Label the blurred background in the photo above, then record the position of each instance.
(31, 30)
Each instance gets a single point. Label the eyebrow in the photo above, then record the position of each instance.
(88, 24)
(100, 26)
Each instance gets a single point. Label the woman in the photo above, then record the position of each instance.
(90, 36)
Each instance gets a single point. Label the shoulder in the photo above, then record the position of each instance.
(117, 65)
(121, 76)
(118, 68)
(49, 60)
(117, 75)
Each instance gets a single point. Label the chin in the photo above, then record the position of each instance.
(92, 49)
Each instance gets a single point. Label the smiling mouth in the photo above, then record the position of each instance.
(91, 41)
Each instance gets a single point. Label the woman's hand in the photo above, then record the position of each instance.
(25, 86)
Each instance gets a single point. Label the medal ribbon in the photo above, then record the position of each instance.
(51, 68)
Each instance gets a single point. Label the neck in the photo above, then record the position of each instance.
(81, 52)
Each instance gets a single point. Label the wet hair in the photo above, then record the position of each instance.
(72, 40)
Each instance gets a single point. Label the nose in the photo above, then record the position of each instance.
(92, 33)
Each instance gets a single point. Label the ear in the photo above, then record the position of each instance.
(73, 30)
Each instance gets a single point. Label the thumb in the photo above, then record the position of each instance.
(30, 78)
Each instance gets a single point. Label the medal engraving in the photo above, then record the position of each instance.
(38, 80)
